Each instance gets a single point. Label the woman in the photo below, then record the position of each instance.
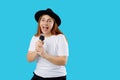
(52, 53)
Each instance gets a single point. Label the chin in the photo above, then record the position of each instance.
(45, 33)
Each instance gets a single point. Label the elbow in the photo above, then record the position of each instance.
(63, 62)
(29, 58)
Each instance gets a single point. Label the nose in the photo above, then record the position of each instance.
(46, 22)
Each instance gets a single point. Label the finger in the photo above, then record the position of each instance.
(37, 48)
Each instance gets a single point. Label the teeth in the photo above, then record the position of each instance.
(45, 28)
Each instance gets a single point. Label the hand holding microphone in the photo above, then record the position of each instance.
(40, 42)
(39, 46)
(41, 38)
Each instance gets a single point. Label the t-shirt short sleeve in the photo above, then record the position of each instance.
(62, 46)
(32, 44)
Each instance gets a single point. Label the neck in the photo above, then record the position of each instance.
(48, 35)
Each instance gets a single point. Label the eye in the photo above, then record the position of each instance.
(50, 21)
(42, 20)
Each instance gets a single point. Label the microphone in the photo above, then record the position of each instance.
(41, 38)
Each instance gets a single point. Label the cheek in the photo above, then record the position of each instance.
(51, 26)
(40, 25)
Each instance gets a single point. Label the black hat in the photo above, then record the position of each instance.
(48, 12)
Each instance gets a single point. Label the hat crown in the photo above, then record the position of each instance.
(49, 10)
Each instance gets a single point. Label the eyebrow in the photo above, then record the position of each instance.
(47, 19)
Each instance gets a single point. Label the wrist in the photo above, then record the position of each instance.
(45, 55)
(36, 53)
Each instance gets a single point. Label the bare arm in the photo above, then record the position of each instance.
(58, 60)
(31, 56)
(39, 50)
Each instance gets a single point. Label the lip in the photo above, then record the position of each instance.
(45, 28)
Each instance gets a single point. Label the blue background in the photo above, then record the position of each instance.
(92, 28)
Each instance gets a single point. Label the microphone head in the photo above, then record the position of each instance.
(41, 38)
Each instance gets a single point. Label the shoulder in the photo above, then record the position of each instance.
(57, 37)
(34, 38)
(60, 36)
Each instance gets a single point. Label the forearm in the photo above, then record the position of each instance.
(57, 60)
(31, 56)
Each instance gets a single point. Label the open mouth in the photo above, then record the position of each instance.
(45, 28)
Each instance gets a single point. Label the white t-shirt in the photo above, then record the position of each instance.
(55, 45)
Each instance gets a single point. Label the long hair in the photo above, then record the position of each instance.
(55, 30)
